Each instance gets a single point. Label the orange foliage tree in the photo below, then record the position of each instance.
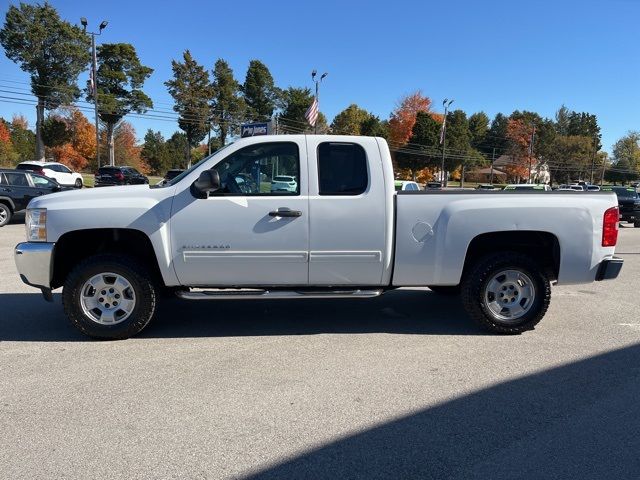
(403, 118)
(5, 135)
(81, 148)
(69, 156)
(519, 134)
(127, 152)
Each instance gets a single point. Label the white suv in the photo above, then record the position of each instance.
(284, 183)
(59, 172)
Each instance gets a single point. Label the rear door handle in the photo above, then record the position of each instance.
(285, 212)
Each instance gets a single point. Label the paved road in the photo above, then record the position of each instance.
(398, 387)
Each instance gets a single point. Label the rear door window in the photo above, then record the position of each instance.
(342, 169)
(17, 179)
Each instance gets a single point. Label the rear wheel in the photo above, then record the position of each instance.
(506, 293)
(636, 223)
(5, 214)
(109, 297)
(78, 183)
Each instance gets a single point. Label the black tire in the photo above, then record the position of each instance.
(5, 214)
(636, 223)
(135, 274)
(78, 183)
(445, 290)
(479, 275)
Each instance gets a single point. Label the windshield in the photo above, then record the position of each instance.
(175, 180)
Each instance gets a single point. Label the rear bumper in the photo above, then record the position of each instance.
(34, 261)
(609, 269)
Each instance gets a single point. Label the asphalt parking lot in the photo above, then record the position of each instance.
(403, 386)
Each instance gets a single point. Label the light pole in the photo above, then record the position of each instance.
(317, 82)
(94, 76)
(446, 103)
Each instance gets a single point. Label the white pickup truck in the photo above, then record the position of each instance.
(220, 231)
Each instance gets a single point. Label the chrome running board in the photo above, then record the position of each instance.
(253, 294)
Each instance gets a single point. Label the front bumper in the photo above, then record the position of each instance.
(609, 269)
(34, 261)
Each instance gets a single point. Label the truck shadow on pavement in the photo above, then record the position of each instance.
(27, 317)
(580, 420)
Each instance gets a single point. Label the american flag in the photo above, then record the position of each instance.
(312, 113)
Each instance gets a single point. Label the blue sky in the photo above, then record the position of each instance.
(495, 56)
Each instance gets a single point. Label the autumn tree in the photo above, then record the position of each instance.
(73, 140)
(519, 133)
(8, 155)
(126, 148)
(120, 80)
(227, 105)
(404, 117)
(191, 91)
(424, 151)
(51, 50)
(259, 91)
(350, 120)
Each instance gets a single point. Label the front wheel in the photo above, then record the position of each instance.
(109, 297)
(78, 183)
(506, 293)
(636, 223)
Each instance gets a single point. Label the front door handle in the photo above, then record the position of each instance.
(285, 212)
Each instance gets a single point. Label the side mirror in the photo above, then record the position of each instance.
(208, 182)
(56, 188)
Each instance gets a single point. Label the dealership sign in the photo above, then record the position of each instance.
(254, 129)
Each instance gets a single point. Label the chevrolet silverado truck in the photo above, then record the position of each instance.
(219, 231)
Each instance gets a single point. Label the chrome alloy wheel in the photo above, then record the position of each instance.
(3, 215)
(107, 298)
(509, 295)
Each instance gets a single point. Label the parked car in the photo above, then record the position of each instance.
(120, 175)
(57, 171)
(487, 186)
(284, 183)
(628, 202)
(406, 185)
(528, 186)
(18, 187)
(344, 233)
(433, 186)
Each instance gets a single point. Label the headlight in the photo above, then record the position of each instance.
(36, 224)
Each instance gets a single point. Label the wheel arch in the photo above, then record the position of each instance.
(8, 201)
(541, 246)
(75, 246)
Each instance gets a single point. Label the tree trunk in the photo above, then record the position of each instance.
(110, 147)
(39, 123)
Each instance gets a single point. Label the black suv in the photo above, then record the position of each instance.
(119, 176)
(18, 187)
(628, 203)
